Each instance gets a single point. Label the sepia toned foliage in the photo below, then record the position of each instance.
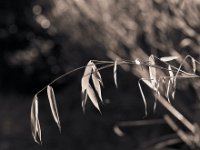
(91, 73)
(128, 32)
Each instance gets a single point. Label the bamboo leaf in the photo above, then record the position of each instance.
(85, 83)
(168, 58)
(86, 76)
(168, 87)
(97, 86)
(152, 71)
(97, 74)
(158, 94)
(97, 80)
(171, 74)
(35, 124)
(92, 97)
(173, 93)
(194, 67)
(143, 98)
(87, 90)
(53, 105)
(115, 73)
(84, 100)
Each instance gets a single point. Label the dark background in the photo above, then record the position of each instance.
(40, 40)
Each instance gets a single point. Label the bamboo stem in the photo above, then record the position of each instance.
(176, 113)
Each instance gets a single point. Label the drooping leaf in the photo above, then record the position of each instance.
(168, 88)
(115, 73)
(86, 76)
(85, 83)
(143, 98)
(97, 74)
(84, 99)
(53, 105)
(35, 124)
(87, 89)
(97, 80)
(152, 71)
(173, 93)
(158, 95)
(194, 67)
(93, 97)
(171, 74)
(168, 58)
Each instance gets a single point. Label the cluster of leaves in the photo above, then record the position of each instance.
(35, 124)
(92, 82)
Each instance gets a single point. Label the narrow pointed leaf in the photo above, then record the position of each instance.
(93, 97)
(115, 73)
(84, 100)
(85, 83)
(53, 105)
(158, 94)
(86, 76)
(143, 98)
(171, 74)
(171, 81)
(91, 69)
(168, 58)
(35, 124)
(97, 80)
(173, 94)
(167, 94)
(152, 71)
(194, 67)
(97, 74)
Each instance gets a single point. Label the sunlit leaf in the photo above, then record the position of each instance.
(97, 74)
(158, 94)
(35, 124)
(53, 105)
(85, 83)
(93, 97)
(97, 80)
(115, 73)
(194, 67)
(152, 71)
(143, 98)
(171, 74)
(87, 90)
(86, 76)
(168, 58)
(168, 88)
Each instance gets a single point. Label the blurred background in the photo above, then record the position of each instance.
(40, 40)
